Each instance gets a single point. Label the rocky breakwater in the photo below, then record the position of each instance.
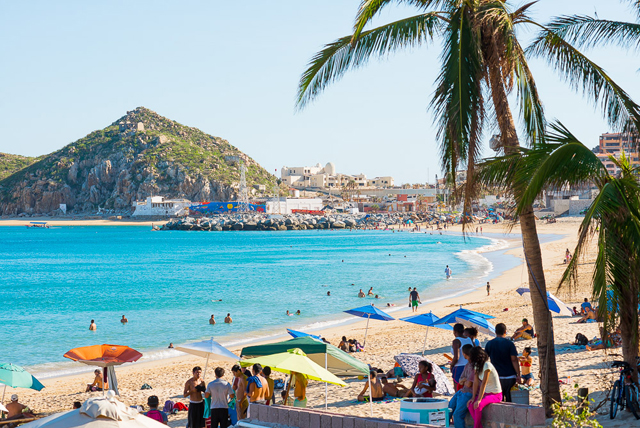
(227, 222)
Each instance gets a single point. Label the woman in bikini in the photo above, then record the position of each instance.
(525, 367)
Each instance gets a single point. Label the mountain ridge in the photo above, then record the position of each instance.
(139, 155)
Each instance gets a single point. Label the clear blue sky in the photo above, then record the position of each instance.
(231, 69)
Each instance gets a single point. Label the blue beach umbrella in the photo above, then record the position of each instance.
(369, 312)
(296, 334)
(427, 320)
(17, 377)
(464, 314)
(555, 305)
(483, 325)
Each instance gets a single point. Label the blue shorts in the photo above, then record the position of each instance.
(527, 376)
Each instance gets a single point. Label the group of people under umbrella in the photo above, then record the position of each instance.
(303, 356)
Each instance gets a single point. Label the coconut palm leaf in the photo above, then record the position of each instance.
(346, 53)
(583, 74)
(586, 31)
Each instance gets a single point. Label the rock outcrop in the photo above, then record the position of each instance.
(139, 155)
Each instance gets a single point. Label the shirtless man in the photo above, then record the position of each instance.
(193, 389)
(370, 292)
(92, 326)
(300, 390)
(376, 389)
(258, 394)
(361, 293)
(393, 389)
(17, 410)
(212, 320)
(124, 320)
(228, 319)
(240, 387)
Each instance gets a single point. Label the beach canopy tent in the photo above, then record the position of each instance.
(17, 377)
(105, 356)
(427, 320)
(326, 355)
(369, 312)
(208, 349)
(555, 305)
(483, 325)
(295, 334)
(464, 314)
(98, 412)
(409, 364)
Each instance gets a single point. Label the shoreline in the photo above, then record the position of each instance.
(328, 322)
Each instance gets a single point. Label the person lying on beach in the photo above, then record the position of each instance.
(589, 314)
(377, 393)
(614, 340)
(361, 293)
(423, 383)
(525, 367)
(98, 383)
(393, 389)
(524, 332)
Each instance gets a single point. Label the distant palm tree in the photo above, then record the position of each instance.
(613, 219)
(481, 56)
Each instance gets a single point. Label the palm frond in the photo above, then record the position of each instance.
(586, 31)
(530, 104)
(338, 57)
(583, 74)
(370, 8)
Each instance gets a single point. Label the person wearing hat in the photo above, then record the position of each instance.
(153, 402)
(15, 410)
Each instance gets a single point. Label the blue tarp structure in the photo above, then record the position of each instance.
(427, 320)
(462, 313)
(224, 207)
(295, 334)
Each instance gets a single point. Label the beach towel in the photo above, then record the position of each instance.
(409, 364)
(180, 406)
(253, 379)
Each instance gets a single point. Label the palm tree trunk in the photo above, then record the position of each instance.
(543, 322)
(629, 323)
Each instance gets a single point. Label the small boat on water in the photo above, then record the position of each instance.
(38, 224)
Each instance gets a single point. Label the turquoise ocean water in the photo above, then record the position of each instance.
(54, 281)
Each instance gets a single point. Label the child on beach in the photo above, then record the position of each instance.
(525, 367)
(486, 384)
(424, 383)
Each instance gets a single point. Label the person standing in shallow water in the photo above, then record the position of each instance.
(414, 299)
(93, 326)
(212, 320)
(488, 288)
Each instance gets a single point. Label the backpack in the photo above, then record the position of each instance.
(155, 414)
(581, 340)
(168, 406)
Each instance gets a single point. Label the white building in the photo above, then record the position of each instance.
(287, 205)
(159, 206)
(319, 177)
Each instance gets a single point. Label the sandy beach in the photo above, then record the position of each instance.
(62, 221)
(386, 339)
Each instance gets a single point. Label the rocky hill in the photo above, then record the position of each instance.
(12, 163)
(139, 155)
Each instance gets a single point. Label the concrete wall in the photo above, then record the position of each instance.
(574, 206)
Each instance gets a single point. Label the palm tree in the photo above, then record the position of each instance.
(481, 55)
(613, 219)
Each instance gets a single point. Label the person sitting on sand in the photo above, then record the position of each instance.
(584, 305)
(575, 312)
(613, 340)
(525, 367)
(377, 393)
(361, 293)
(370, 292)
(352, 345)
(98, 382)
(124, 320)
(16, 410)
(158, 415)
(344, 345)
(423, 383)
(525, 332)
(212, 320)
(228, 319)
(393, 389)
(589, 314)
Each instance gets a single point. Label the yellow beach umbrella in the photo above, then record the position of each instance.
(294, 360)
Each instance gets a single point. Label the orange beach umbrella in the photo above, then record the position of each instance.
(105, 356)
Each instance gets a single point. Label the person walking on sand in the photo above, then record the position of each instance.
(414, 299)
(212, 320)
(228, 319)
(93, 326)
(193, 388)
(447, 272)
(488, 288)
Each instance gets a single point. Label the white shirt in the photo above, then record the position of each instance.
(462, 361)
(220, 390)
(493, 384)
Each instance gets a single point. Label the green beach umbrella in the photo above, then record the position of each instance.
(17, 377)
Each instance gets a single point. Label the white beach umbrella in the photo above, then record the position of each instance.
(209, 349)
(555, 305)
(98, 412)
(483, 325)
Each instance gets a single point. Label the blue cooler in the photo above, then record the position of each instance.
(433, 411)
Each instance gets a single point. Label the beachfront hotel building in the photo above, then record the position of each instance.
(612, 144)
(158, 206)
(318, 176)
